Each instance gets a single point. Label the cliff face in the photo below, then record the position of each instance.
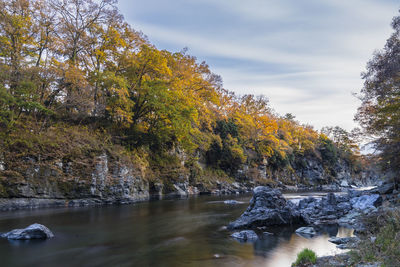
(98, 180)
(312, 172)
(101, 178)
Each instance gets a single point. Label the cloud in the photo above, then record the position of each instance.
(305, 56)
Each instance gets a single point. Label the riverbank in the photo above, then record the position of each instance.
(357, 210)
(378, 239)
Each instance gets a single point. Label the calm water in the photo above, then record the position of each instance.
(159, 233)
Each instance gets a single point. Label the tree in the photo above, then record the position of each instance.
(18, 54)
(78, 22)
(379, 113)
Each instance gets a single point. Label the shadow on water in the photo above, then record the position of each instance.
(171, 232)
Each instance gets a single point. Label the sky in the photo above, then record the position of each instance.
(305, 56)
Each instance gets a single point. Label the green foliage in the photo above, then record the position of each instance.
(328, 151)
(306, 257)
(227, 127)
(226, 154)
(214, 153)
(279, 160)
(7, 115)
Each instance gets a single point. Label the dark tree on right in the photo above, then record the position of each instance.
(379, 113)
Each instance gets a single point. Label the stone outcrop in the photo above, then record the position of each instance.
(267, 207)
(324, 210)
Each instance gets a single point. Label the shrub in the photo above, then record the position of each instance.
(305, 257)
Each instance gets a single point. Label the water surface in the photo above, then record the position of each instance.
(178, 232)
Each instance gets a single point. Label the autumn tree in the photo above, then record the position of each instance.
(78, 23)
(75, 62)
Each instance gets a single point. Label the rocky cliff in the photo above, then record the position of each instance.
(103, 177)
(36, 182)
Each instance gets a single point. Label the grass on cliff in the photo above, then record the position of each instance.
(61, 142)
(381, 242)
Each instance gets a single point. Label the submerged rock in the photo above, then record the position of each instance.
(232, 202)
(34, 231)
(246, 235)
(267, 207)
(306, 232)
(343, 240)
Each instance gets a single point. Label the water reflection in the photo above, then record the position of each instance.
(187, 232)
(282, 249)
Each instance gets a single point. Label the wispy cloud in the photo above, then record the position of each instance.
(306, 56)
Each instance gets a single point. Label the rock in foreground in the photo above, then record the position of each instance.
(267, 207)
(34, 231)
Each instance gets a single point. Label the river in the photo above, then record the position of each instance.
(176, 232)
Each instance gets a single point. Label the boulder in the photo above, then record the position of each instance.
(325, 210)
(267, 207)
(306, 232)
(366, 201)
(246, 235)
(34, 231)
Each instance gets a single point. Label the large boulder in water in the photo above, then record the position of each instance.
(34, 231)
(267, 207)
